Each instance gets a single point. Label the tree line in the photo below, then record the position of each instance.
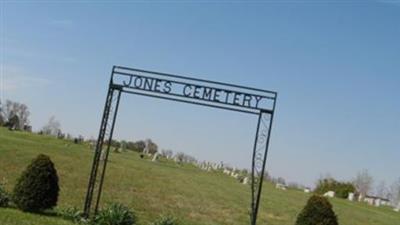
(362, 185)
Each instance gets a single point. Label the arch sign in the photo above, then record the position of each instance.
(187, 90)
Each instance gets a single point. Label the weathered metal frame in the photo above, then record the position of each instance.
(261, 141)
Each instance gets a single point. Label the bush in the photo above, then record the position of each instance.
(115, 214)
(318, 211)
(4, 197)
(166, 220)
(37, 188)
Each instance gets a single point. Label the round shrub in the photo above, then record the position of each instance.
(318, 211)
(115, 214)
(4, 197)
(166, 220)
(37, 188)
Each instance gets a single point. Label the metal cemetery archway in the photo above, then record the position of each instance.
(187, 90)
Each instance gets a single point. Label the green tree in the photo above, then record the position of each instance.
(341, 189)
(13, 123)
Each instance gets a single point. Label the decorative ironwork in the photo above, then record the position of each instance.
(188, 90)
(260, 152)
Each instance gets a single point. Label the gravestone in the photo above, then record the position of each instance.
(155, 157)
(369, 200)
(397, 209)
(123, 147)
(103, 155)
(146, 147)
(92, 145)
(360, 197)
(378, 202)
(280, 186)
(245, 180)
(350, 197)
(329, 194)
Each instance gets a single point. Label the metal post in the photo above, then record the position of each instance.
(253, 175)
(107, 153)
(98, 149)
(256, 194)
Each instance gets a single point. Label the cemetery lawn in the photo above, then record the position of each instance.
(16, 217)
(151, 189)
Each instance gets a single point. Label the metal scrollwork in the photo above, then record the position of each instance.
(259, 158)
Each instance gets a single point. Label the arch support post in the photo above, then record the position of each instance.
(101, 151)
(260, 152)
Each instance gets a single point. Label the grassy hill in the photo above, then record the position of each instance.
(194, 196)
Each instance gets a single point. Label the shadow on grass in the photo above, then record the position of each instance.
(47, 213)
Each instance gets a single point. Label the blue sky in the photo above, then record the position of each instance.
(336, 67)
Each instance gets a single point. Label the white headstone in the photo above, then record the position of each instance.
(307, 190)
(103, 154)
(245, 180)
(329, 194)
(350, 197)
(377, 202)
(280, 186)
(146, 147)
(397, 209)
(369, 200)
(360, 198)
(155, 157)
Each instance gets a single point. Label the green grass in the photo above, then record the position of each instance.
(194, 196)
(15, 217)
